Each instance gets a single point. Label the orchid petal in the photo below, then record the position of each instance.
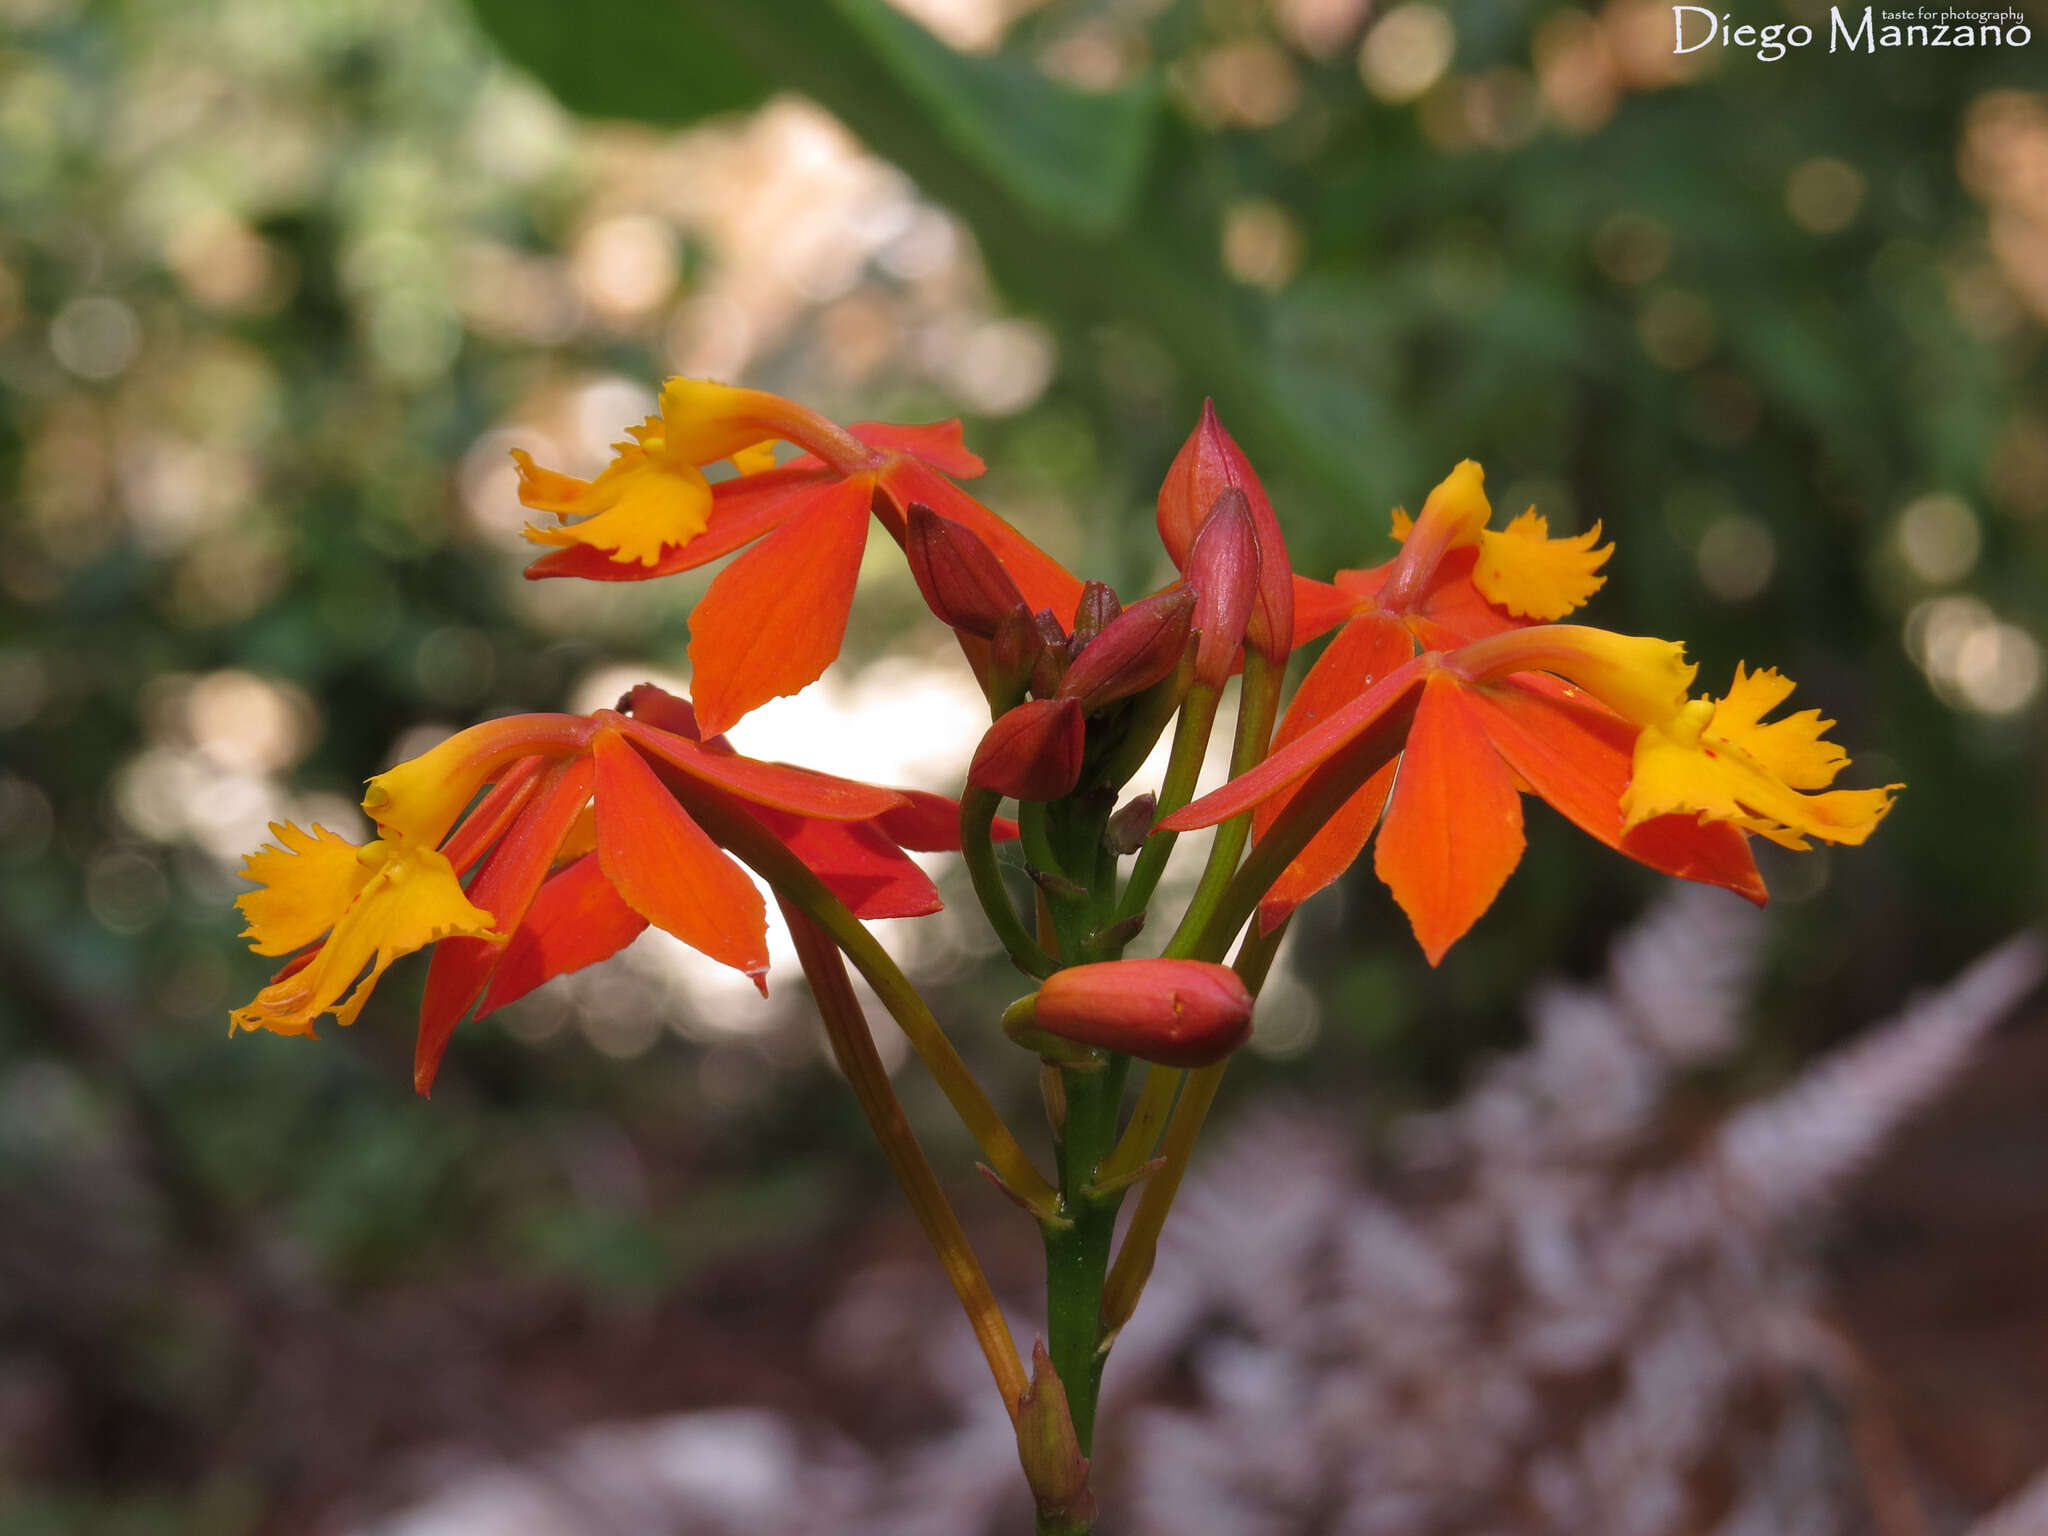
(667, 869)
(1453, 831)
(773, 620)
(576, 919)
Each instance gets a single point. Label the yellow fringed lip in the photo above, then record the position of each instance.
(1521, 568)
(375, 904)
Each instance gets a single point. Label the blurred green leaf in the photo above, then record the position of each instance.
(662, 63)
(1072, 158)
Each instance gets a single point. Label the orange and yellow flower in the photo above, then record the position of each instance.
(774, 619)
(1599, 725)
(580, 841)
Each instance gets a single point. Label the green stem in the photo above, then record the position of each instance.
(1077, 1250)
(793, 880)
(1257, 705)
(846, 1026)
(1141, 1242)
(1183, 768)
(1141, 1132)
(977, 816)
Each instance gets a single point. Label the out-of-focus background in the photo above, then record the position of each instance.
(282, 283)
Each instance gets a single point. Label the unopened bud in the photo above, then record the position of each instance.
(1132, 824)
(1223, 568)
(1013, 654)
(962, 580)
(1096, 611)
(1050, 1451)
(659, 708)
(1051, 665)
(1033, 752)
(1141, 647)
(1178, 1013)
(1208, 464)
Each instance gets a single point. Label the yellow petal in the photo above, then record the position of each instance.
(1459, 502)
(751, 461)
(1738, 770)
(1790, 749)
(417, 801)
(410, 899)
(1640, 678)
(704, 421)
(1403, 525)
(1534, 576)
(651, 505)
(307, 880)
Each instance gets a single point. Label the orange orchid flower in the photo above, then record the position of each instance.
(1599, 725)
(773, 620)
(579, 842)
(1455, 580)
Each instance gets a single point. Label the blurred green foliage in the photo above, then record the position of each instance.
(271, 275)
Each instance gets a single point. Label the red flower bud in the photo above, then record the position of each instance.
(1178, 1013)
(1051, 665)
(1097, 610)
(962, 580)
(1013, 654)
(1223, 568)
(1141, 646)
(1033, 752)
(1210, 463)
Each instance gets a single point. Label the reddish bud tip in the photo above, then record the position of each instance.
(1097, 610)
(1223, 568)
(1141, 646)
(660, 709)
(1132, 823)
(962, 580)
(1014, 651)
(1208, 464)
(1051, 665)
(1033, 752)
(1178, 1013)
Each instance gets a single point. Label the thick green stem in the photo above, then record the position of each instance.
(846, 1026)
(1077, 1249)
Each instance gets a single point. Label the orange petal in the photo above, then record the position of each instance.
(1453, 830)
(1330, 852)
(742, 510)
(577, 919)
(1577, 754)
(938, 443)
(1301, 757)
(490, 816)
(773, 620)
(667, 869)
(859, 864)
(504, 887)
(930, 823)
(804, 791)
(1319, 608)
(1044, 582)
(1364, 651)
